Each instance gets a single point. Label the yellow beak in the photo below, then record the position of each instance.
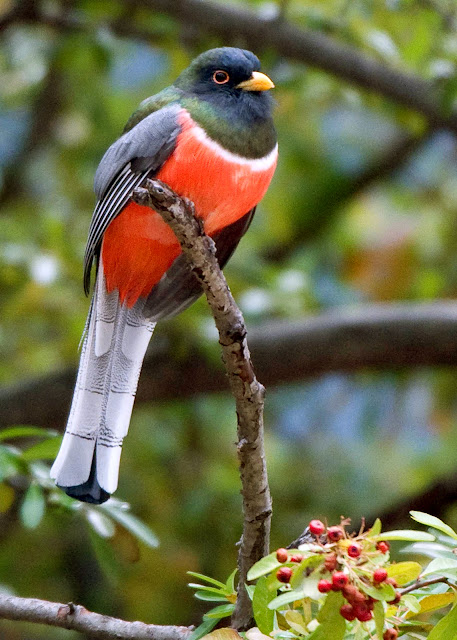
(257, 82)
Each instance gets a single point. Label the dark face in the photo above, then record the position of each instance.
(219, 72)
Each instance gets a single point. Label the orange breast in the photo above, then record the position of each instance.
(138, 247)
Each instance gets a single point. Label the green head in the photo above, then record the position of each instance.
(225, 92)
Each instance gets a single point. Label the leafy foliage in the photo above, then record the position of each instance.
(366, 606)
(324, 236)
(20, 467)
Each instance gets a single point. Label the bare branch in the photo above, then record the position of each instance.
(419, 584)
(199, 249)
(77, 618)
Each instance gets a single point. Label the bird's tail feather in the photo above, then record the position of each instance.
(115, 342)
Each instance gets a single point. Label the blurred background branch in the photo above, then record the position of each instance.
(363, 337)
(345, 281)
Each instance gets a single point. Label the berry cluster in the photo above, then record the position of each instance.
(348, 563)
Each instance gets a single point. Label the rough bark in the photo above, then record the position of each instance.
(199, 249)
(77, 618)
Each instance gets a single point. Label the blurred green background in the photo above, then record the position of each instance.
(334, 229)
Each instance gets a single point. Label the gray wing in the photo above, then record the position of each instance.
(137, 154)
(179, 288)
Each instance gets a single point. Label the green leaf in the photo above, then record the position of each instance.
(286, 598)
(10, 464)
(132, 524)
(404, 572)
(411, 602)
(378, 613)
(210, 597)
(265, 565)
(224, 634)
(332, 624)
(222, 611)
(384, 592)
(200, 576)
(33, 507)
(26, 432)
(250, 588)
(295, 621)
(101, 523)
(434, 522)
(106, 557)
(204, 587)
(45, 450)
(230, 584)
(441, 566)
(446, 629)
(436, 601)
(263, 616)
(376, 528)
(406, 534)
(308, 564)
(203, 629)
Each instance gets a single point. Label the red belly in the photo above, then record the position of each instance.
(138, 246)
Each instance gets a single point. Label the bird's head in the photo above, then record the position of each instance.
(224, 73)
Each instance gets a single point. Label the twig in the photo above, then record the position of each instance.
(422, 583)
(77, 618)
(248, 392)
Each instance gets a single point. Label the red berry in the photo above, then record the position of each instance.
(317, 527)
(397, 598)
(352, 594)
(390, 634)
(361, 608)
(383, 546)
(324, 586)
(284, 574)
(365, 617)
(347, 612)
(334, 534)
(379, 575)
(330, 562)
(339, 580)
(282, 555)
(354, 550)
(296, 558)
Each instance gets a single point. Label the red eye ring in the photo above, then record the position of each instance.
(221, 77)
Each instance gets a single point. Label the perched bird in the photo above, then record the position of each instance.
(210, 136)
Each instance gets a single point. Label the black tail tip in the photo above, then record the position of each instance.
(82, 493)
(89, 491)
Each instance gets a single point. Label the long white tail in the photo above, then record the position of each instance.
(115, 342)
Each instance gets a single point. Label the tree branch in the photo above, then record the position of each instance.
(199, 249)
(375, 336)
(233, 23)
(77, 618)
(419, 584)
(436, 498)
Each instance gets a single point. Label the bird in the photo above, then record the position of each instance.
(210, 136)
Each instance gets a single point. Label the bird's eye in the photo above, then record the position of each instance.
(221, 77)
